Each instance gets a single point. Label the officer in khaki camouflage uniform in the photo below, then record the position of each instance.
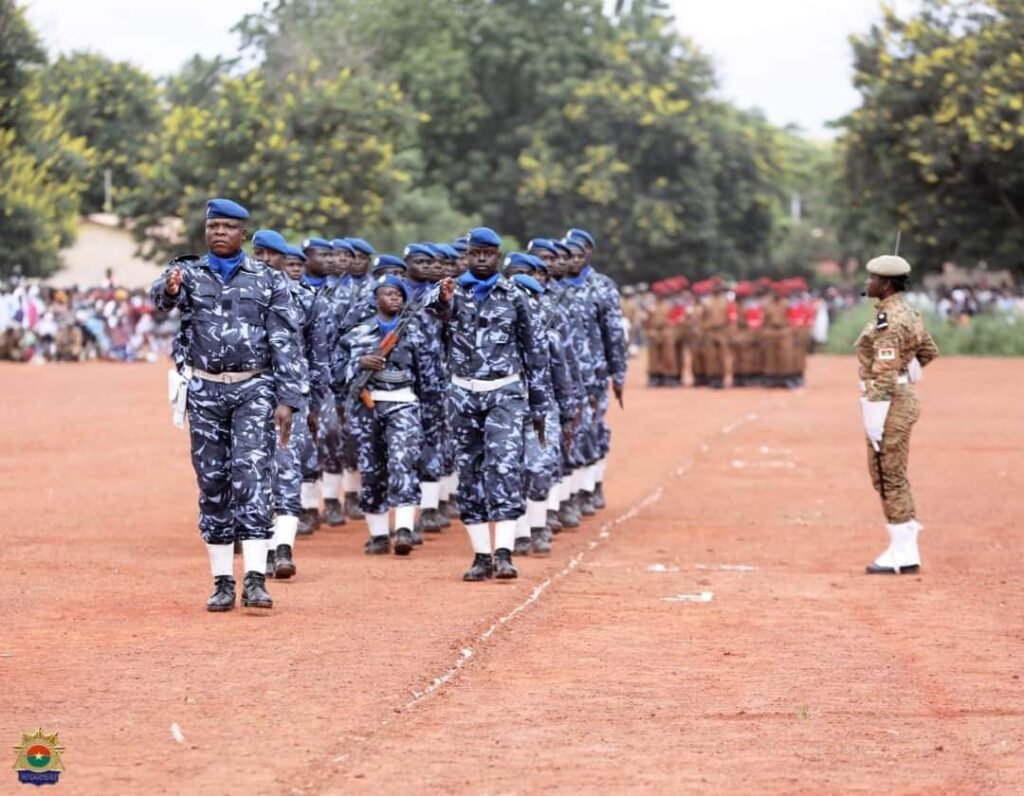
(714, 318)
(891, 351)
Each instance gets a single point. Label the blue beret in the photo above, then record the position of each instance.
(582, 235)
(361, 245)
(459, 245)
(392, 281)
(316, 243)
(560, 247)
(542, 243)
(340, 243)
(225, 208)
(270, 239)
(519, 260)
(573, 243)
(447, 251)
(538, 263)
(418, 248)
(295, 251)
(388, 261)
(484, 238)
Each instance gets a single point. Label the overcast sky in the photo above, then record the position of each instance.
(790, 58)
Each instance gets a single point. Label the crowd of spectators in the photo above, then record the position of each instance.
(41, 324)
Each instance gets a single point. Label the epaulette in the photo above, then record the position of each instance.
(881, 321)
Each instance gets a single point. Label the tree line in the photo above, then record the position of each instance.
(400, 120)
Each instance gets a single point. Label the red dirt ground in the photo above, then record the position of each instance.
(800, 675)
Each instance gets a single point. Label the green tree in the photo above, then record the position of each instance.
(937, 145)
(319, 156)
(42, 165)
(113, 106)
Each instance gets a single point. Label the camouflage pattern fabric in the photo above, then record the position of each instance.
(232, 434)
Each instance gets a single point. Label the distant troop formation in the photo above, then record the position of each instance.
(325, 383)
(759, 332)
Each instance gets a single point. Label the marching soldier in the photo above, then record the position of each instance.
(714, 322)
(497, 376)
(246, 375)
(891, 351)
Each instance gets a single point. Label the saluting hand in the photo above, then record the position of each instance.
(447, 289)
(173, 282)
(283, 423)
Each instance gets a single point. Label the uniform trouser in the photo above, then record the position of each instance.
(231, 427)
(663, 355)
(583, 451)
(713, 344)
(432, 414)
(488, 432)
(288, 471)
(604, 432)
(778, 352)
(539, 473)
(697, 357)
(387, 441)
(801, 342)
(898, 502)
(746, 353)
(328, 438)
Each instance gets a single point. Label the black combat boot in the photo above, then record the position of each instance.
(504, 569)
(223, 597)
(567, 515)
(540, 544)
(442, 514)
(284, 566)
(352, 506)
(334, 515)
(451, 508)
(417, 535)
(378, 545)
(430, 521)
(522, 546)
(554, 524)
(597, 497)
(403, 542)
(254, 593)
(270, 563)
(584, 503)
(482, 568)
(309, 521)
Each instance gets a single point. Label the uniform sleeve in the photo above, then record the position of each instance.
(344, 365)
(534, 357)
(158, 292)
(926, 348)
(561, 379)
(291, 374)
(613, 339)
(318, 351)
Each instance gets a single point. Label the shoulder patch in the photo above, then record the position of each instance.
(886, 354)
(882, 321)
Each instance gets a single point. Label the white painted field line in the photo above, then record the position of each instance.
(604, 533)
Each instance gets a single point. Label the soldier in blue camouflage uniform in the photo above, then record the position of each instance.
(292, 466)
(327, 450)
(543, 461)
(387, 432)
(615, 351)
(246, 375)
(498, 373)
(357, 308)
(424, 271)
(318, 266)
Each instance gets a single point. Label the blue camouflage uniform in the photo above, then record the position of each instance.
(387, 437)
(492, 340)
(241, 322)
(433, 401)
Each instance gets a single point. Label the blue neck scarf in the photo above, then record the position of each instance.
(315, 282)
(225, 267)
(333, 280)
(587, 270)
(529, 283)
(386, 327)
(576, 281)
(481, 287)
(417, 288)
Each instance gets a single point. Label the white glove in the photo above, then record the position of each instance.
(914, 371)
(874, 413)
